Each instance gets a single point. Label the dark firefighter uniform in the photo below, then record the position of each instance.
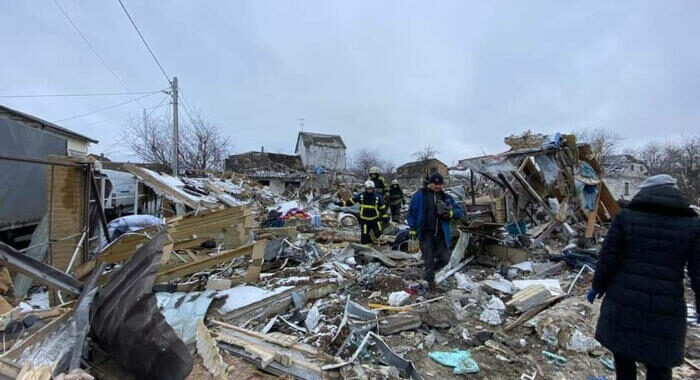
(395, 201)
(380, 185)
(372, 214)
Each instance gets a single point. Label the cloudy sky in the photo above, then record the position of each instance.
(388, 75)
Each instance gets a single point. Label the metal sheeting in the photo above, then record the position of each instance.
(182, 310)
(491, 165)
(549, 168)
(23, 192)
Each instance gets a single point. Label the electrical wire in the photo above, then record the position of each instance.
(167, 77)
(107, 108)
(76, 95)
(92, 48)
(152, 109)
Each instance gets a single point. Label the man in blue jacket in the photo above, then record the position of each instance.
(429, 217)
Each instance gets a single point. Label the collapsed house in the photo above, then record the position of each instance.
(280, 172)
(239, 281)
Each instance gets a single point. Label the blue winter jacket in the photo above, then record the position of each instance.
(416, 208)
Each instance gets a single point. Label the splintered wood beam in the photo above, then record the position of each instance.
(255, 267)
(204, 264)
(608, 200)
(533, 193)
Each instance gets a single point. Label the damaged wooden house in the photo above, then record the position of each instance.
(281, 172)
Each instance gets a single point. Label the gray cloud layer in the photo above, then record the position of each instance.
(387, 75)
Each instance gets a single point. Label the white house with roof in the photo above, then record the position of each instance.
(623, 174)
(321, 150)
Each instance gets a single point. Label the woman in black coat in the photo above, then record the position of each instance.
(640, 272)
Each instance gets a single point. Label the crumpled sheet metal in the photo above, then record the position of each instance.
(182, 310)
(549, 168)
(126, 322)
(55, 346)
(388, 356)
(491, 165)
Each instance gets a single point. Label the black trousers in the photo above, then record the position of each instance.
(370, 231)
(435, 253)
(395, 212)
(626, 369)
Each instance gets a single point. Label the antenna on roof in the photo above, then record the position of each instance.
(301, 124)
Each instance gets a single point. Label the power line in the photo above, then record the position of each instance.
(107, 108)
(76, 95)
(92, 48)
(151, 109)
(167, 77)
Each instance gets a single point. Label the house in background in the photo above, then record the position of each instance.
(320, 150)
(23, 196)
(278, 171)
(623, 174)
(414, 172)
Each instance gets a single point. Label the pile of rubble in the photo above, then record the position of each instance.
(252, 284)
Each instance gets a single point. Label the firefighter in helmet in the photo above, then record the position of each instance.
(372, 212)
(395, 200)
(380, 184)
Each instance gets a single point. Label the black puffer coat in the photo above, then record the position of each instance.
(641, 269)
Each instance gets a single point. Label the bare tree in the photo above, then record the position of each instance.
(653, 157)
(680, 159)
(149, 139)
(427, 153)
(202, 143)
(424, 156)
(365, 159)
(604, 142)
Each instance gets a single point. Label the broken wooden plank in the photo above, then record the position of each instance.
(255, 266)
(396, 323)
(608, 200)
(533, 194)
(273, 351)
(526, 316)
(512, 255)
(208, 263)
(207, 349)
(160, 186)
(529, 298)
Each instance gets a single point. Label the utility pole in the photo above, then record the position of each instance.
(145, 120)
(176, 135)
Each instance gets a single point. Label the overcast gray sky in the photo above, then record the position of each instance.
(391, 75)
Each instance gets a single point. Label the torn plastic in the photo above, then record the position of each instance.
(127, 324)
(461, 360)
